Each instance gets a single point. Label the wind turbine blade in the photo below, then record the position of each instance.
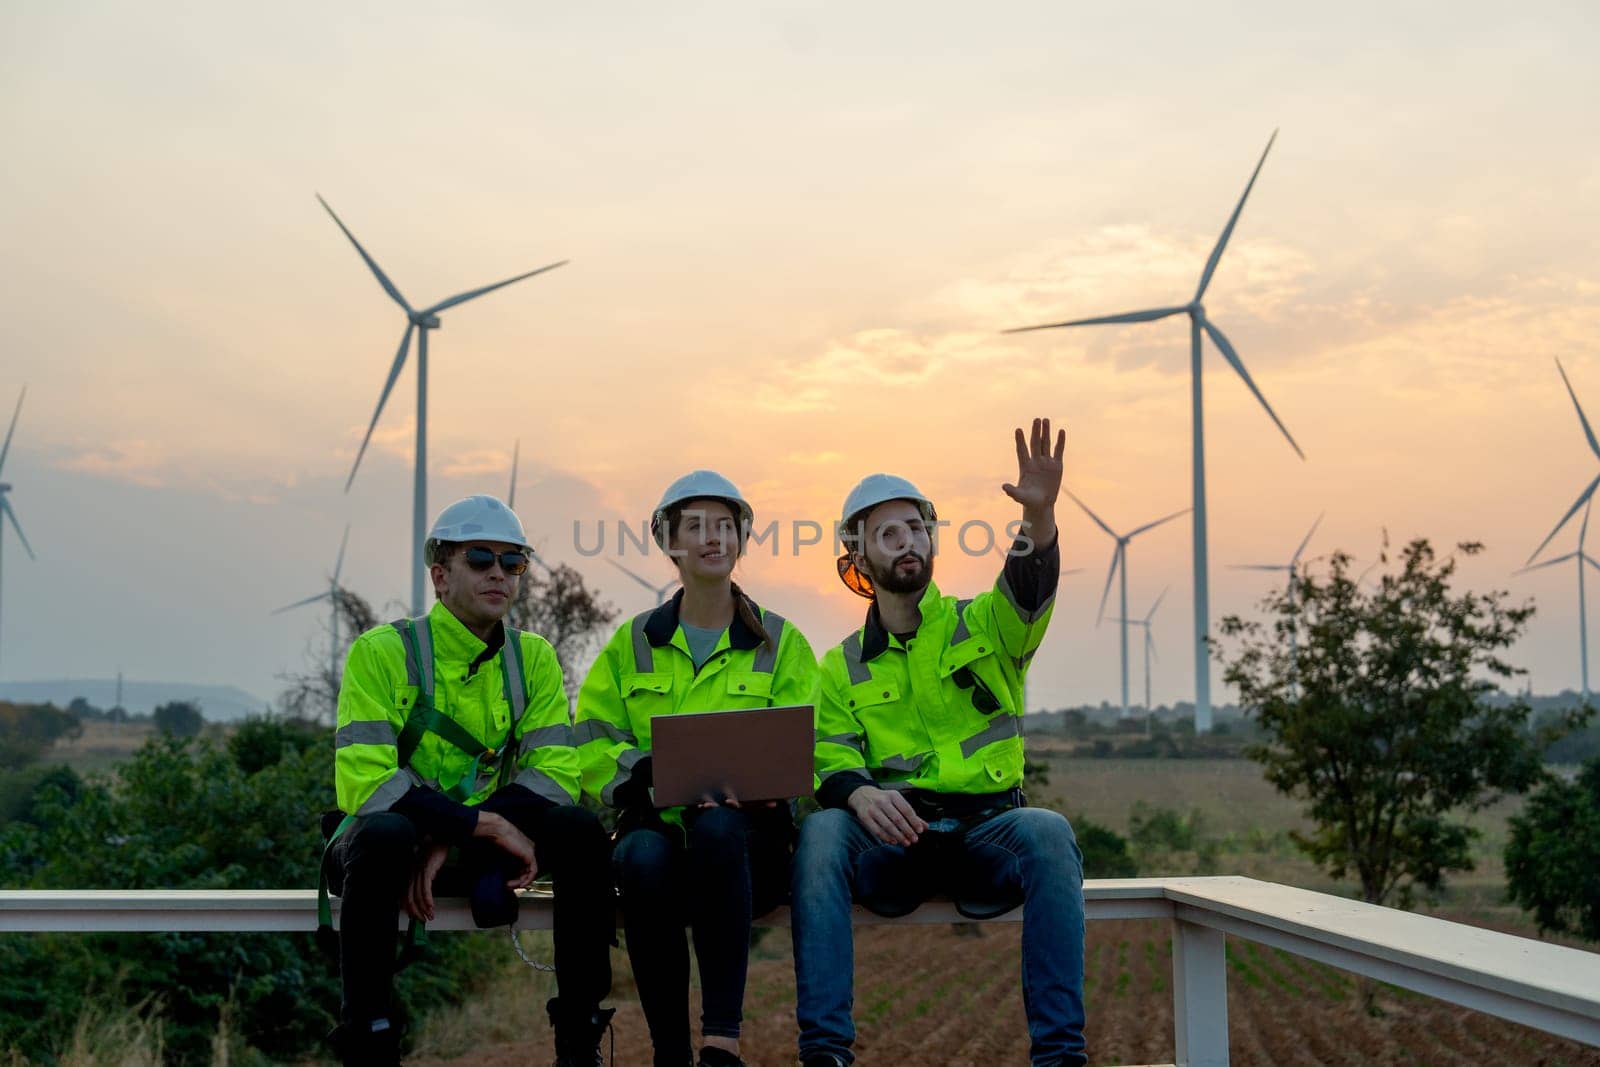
(1116, 558)
(377, 271)
(642, 581)
(1105, 320)
(1086, 511)
(1227, 231)
(1590, 560)
(303, 603)
(1153, 607)
(473, 294)
(394, 373)
(1583, 498)
(17, 526)
(338, 564)
(1547, 563)
(1257, 567)
(1588, 432)
(6, 448)
(511, 495)
(1233, 359)
(1150, 643)
(1294, 559)
(1583, 531)
(1072, 570)
(1153, 525)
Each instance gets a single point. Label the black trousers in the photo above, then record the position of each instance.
(728, 867)
(372, 864)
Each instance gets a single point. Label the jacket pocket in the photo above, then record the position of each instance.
(750, 685)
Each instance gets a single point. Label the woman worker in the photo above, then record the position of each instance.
(716, 866)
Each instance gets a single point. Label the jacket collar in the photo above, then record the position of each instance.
(875, 639)
(664, 622)
(453, 641)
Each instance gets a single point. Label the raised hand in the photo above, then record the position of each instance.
(1038, 479)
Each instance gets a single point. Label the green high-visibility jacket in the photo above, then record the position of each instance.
(646, 670)
(378, 692)
(941, 711)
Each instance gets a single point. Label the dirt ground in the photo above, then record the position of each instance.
(951, 996)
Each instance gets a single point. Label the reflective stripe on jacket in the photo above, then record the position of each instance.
(376, 695)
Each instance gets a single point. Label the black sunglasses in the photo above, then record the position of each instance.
(481, 559)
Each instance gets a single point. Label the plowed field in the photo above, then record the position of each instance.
(951, 995)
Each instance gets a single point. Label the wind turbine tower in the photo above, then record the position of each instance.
(1119, 563)
(6, 510)
(331, 595)
(1199, 324)
(1149, 648)
(419, 322)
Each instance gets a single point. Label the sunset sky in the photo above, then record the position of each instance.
(796, 231)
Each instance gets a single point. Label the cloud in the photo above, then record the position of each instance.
(142, 462)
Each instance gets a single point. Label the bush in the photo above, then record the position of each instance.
(179, 718)
(1553, 857)
(27, 730)
(1105, 852)
(185, 814)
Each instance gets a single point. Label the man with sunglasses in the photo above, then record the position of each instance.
(453, 736)
(919, 762)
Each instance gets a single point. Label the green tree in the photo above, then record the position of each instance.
(179, 718)
(1553, 857)
(27, 730)
(1373, 708)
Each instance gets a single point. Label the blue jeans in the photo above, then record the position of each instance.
(1026, 854)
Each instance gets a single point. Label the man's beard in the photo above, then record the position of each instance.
(892, 581)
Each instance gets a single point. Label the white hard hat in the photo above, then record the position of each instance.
(477, 518)
(877, 489)
(871, 491)
(701, 485)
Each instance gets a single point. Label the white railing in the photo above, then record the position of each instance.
(1545, 986)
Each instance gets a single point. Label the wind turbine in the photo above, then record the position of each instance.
(1004, 552)
(6, 510)
(511, 493)
(1588, 493)
(660, 591)
(331, 595)
(1292, 568)
(1119, 562)
(1149, 647)
(1581, 557)
(1198, 324)
(420, 322)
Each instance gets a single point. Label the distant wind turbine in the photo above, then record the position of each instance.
(1581, 557)
(1594, 446)
(1119, 562)
(511, 493)
(1292, 569)
(1149, 646)
(1198, 324)
(420, 322)
(331, 595)
(660, 591)
(6, 510)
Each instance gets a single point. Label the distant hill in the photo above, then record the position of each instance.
(218, 703)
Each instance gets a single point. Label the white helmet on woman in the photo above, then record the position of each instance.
(701, 485)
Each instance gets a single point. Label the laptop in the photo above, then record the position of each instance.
(752, 754)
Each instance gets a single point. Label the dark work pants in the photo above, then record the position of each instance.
(730, 866)
(372, 863)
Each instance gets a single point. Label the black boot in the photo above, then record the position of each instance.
(710, 1056)
(376, 1043)
(578, 1033)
